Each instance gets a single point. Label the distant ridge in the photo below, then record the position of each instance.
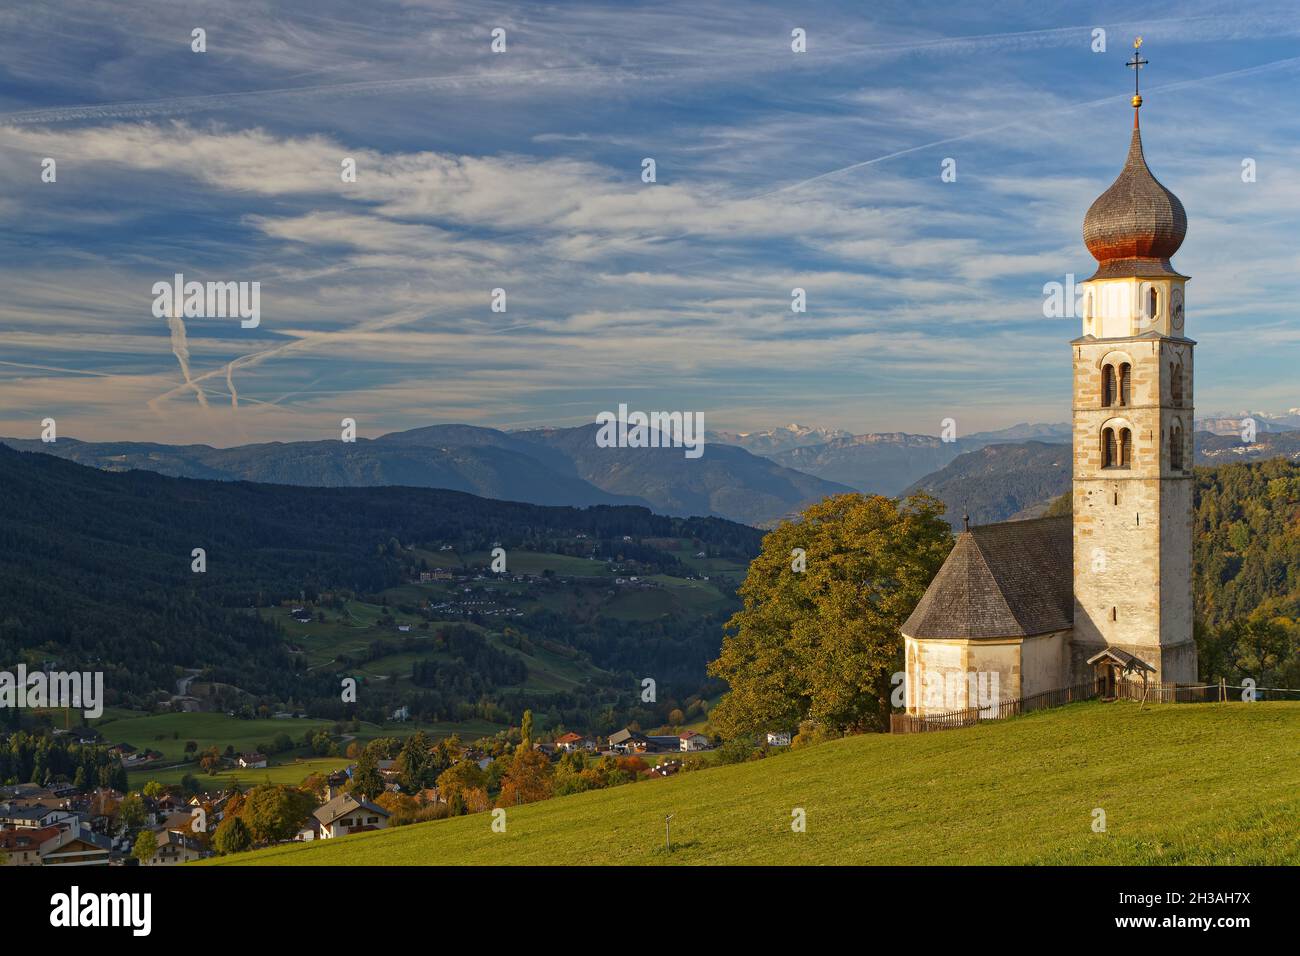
(560, 466)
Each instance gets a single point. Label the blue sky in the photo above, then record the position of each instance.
(522, 171)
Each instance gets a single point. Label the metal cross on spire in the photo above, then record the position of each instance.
(1136, 65)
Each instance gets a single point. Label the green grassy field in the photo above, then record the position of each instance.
(168, 733)
(291, 772)
(1205, 784)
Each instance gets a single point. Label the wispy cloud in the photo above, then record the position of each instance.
(522, 172)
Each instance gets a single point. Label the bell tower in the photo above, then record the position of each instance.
(1133, 423)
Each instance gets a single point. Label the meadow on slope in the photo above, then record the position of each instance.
(1189, 783)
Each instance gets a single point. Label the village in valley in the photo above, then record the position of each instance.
(212, 769)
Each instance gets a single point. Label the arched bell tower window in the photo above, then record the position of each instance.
(1108, 386)
(1125, 380)
(1116, 447)
(1153, 304)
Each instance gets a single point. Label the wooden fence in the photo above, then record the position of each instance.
(910, 724)
(1151, 692)
(1165, 693)
(968, 717)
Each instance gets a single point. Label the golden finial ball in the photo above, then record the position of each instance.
(1137, 101)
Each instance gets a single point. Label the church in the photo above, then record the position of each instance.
(1023, 607)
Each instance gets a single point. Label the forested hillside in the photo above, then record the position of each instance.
(1246, 570)
(95, 567)
(1247, 531)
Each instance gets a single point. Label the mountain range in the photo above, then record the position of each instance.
(886, 463)
(769, 475)
(1020, 480)
(557, 466)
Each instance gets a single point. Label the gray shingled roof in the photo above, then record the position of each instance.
(1123, 658)
(343, 804)
(1012, 579)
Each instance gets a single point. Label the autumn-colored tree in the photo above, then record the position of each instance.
(354, 750)
(210, 760)
(316, 783)
(153, 790)
(146, 844)
(529, 779)
(274, 813)
(402, 807)
(476, 800)
(460, 777)
(232, 836)
(818, 636)
(633, 765)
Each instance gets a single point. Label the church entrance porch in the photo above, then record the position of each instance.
(1113, 667)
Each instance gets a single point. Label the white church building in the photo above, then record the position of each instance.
(1106, 592)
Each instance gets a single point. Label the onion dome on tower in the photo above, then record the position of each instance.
(1135, 226)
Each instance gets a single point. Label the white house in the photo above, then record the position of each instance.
(346, 814)
(572, 741)
(692, 740)
(780, 738)
(174, 848)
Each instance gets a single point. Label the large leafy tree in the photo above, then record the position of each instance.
(415, 763)
(529, 779)
(367, 782)
(460, 778)
(232, 836)
(146, 844)
(818, 636)
(273, 813)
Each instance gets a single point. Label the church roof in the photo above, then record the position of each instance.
(1012, 579)
(1135, 226)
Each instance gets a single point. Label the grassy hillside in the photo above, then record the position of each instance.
(96, 569)
(1207, 784)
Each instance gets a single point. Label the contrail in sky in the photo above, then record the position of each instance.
(181, 349)
(308, 341)
(1020, 120)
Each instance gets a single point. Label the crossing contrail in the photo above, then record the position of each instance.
(181, 348)
(308, 341)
